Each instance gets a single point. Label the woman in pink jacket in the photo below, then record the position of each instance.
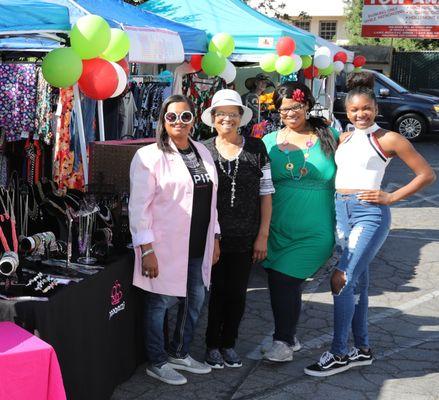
(173, 222)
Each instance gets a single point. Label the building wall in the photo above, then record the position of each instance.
(341, 36)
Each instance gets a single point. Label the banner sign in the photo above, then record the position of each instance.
(413, 19)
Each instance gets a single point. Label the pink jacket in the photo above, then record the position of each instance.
(160, 210)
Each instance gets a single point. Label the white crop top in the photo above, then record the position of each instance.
(361, 162)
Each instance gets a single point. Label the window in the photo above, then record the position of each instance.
(328, 30)
(305, 25)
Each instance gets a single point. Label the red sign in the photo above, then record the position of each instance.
(414, 19)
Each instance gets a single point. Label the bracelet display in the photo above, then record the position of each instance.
(146, 252)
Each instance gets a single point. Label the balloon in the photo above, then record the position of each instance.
(122, 80)
(99, 79)
(229, 73)
(341, 56)
(310, 72)
(348, 68)
(213, 63)
(196, 61)
(323, 51)
(222, 43)
(338, 66)
(357, 69)
(285, 65)
(118, 47)
(285, 46)
(327, 71)
(306, 61)
(268, 62)
(359, 61)
(297, 62)
(62, 67)
(90, 36)
(124, 64)
(322, 61)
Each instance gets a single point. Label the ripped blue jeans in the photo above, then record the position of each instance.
(362, 228)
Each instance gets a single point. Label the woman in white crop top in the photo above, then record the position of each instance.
(363, 219)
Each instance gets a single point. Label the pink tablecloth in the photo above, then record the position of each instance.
(29, 368)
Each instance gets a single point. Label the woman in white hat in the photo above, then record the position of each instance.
(244, 212)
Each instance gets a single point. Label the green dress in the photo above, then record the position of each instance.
(302, 224)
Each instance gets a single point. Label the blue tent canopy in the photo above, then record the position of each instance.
(254, 33)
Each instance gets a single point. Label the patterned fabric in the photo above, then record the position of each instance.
(43, 112)
(200, 92)
(17, 100)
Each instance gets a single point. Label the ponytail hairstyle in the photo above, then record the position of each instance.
(360, 83)
(300, 92)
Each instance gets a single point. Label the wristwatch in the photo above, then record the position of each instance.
(217, 236)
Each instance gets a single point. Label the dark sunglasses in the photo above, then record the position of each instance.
(186, 117)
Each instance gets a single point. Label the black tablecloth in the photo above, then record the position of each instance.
(95, 328)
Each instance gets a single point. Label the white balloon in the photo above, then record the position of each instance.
(349, 68)
(338, 66)
(323, 51)
(122, 79)
(229, 73)
(297, 62)
(322, 61)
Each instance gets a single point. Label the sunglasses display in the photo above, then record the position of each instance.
(186, 117)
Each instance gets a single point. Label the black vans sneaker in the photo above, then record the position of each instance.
(329, 364)
(359, 357)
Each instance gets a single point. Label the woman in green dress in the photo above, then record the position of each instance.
(302, 226)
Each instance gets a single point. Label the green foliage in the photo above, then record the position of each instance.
(353, 12)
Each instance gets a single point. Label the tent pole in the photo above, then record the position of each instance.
(80, 123)
(101, 121)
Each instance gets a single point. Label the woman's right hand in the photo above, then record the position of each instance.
(150, 266)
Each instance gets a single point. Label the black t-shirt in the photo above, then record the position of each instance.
(201, 203)
(239, 224)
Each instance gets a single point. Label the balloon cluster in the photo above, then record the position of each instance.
(215, 62)
(285, 62)
(95, 60)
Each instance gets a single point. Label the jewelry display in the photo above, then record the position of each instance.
(34, 279)
(8, 263)
(87, 220)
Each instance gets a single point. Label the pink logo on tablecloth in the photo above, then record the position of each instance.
(116, 293)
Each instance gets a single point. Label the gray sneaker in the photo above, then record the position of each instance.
(214, 359)
(231, 358)
(166, 374)
(279, 352)
(268, 344)
(189, 364)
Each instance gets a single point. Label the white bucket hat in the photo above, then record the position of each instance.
(226, 97)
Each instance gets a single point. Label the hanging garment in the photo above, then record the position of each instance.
(43, 112)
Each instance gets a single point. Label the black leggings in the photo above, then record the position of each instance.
(227, 298)
(286, 303)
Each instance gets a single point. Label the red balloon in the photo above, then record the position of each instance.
(341, 56)
(124, 64)
(285, 46)
(310, 72)
(99, 79)
(196, 61)
(359, 61)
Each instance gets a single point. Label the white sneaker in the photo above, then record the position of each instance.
(189, 364)
(279, 352)
(268, 344)
(166, 374)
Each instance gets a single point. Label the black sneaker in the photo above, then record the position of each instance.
(359, 357)
(231, 358)
(214, 359)
(329, 364)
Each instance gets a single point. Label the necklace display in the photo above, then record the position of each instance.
(289, 166)
(234, 174)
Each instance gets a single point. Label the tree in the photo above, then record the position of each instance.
(353, 12)
(269, 7)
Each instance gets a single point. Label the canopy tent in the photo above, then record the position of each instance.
(254, 33)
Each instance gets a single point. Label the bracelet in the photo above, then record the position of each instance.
(218, 236)
(146, 252)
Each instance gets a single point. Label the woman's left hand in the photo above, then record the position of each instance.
(376, 196)
(260, 249)
(216, 252)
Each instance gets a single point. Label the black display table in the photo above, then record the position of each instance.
(95, 329)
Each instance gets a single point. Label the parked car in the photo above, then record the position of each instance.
(413, 115)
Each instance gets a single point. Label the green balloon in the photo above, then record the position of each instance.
(327, 71)
(285, 65)
(306, 61)
(118, 47)
(62, 67)
(213, 63)
(222, 43)
(268, 62)
(90, 36)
